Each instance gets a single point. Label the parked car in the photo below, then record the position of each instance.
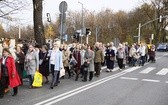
(162, 47)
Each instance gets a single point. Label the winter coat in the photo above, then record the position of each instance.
(58, 61)
(31, 62)
(121, 53)
(44, 66)
(77, 56)
(20, 57)
(10, 64)
(66, 57)
(99, 56)
(89, 55)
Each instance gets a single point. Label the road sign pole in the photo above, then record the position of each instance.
(61, 36)
(96, 33)
(62, 8)
(82, 19)
(139, 33)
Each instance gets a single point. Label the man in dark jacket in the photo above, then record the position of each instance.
(99, 58)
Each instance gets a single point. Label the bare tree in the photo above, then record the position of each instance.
(38, 23)
(154, 11)
(10, 7)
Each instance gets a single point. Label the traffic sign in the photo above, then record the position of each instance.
(63, 7)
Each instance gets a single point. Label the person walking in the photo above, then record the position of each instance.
(44, 62)
(88, 64)
(98, 59)
(31, 64)
(20, 57)
(82, 53)
(56, 63)
(142, 50)
(7, 44)
(120, 56)
(110, 58)
(8, 73)
(77, 57)
(66, 58)
(152, 53)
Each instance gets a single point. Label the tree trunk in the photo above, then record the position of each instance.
(38, 23)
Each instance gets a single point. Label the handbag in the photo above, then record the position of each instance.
(38, 79)
(24, 75)
(86, 64)
(62, 72)
(73, 61)
(112, 58)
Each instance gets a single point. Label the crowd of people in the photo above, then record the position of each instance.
(79, 61)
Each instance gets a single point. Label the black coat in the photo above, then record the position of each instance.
(44, 66)
(20, 57)
(110, 57)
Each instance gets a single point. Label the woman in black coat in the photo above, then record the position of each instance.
(44, 62)
(110, 58)
(20, 57)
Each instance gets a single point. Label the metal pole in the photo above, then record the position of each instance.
(82, 22)
(19, 32)
(61, 36)
(96, 33)
(139, 28)
(139, 33)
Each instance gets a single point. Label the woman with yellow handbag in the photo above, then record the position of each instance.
(31, 63)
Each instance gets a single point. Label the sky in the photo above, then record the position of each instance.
(93, 5)
(52, 7)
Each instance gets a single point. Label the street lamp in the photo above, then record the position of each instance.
(139, 33)
(140, 26)
(82, 21)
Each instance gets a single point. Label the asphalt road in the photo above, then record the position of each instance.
(145, 85)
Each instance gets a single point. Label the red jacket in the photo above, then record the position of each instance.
(10, 63)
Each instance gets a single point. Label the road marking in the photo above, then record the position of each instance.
(163, 71)
(132, 69)
(78, 90)
(65, 95)
(57, 100)
(147, 70)
(166, 81)
(128, 78)
(150, 80)
(165, 54)
(115, 69)
(104, 67)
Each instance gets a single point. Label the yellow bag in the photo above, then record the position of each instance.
(38, 79)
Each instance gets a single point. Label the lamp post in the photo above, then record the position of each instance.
(139, 33)
(82, 19)
(140, 26)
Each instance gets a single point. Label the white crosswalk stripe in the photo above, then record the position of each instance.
(132, 69)
(147, 70)
(163, 71)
